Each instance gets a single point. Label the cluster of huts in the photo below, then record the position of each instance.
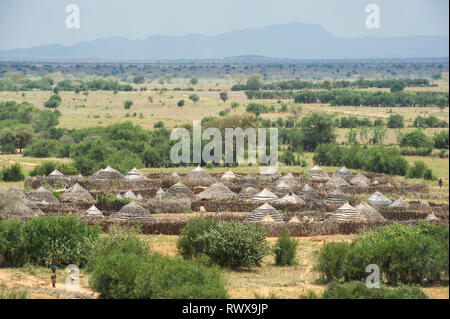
(266, 193)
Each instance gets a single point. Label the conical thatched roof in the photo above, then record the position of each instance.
(265, 196)
(228, 176)
(291, 199)
(267, 219)
(318, 174)
(308, 192)
(343, 172)
(247, 193)
(399, 203)
(336, 181)
(249, 180)
(294, 220)
(270, 173)
(43, 195)
(360, 180)
(378, 199)
(19, 209)
(107, 173)
(369, 213)
(77, 194)
(431, 217)
(179, 190)
(93, 212)
(290, 180)
(133, 212)
(198, 172)
(129, 195)
(259, 213)
(281, 189)
(216, 191)
(159, 193)
(134, 174)
(424, 202)
(32, 205)
(16, 192)
(375, 182)
(348, 213)
(336, 196)
(139, 197)
(56, 174)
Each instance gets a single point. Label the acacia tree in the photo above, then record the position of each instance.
(224, 96)
(194, 98)
(180, 103)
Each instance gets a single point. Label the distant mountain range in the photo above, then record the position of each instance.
(294, 41)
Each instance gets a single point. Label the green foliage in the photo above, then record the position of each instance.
(405, 254)
(285, 250)
(194, 98)
(358, 290)
(48, 167)
(416, 139)
(53, 102)
(47, 241)
(192, 241)
(429, 122)
(395, 121)
(122, 267)
(14, 173)
(420, 170)
(316, 129)
(127, 104)
(8, 293)
(236, 245)
(441, 140)
(112, 199)
(223, 96)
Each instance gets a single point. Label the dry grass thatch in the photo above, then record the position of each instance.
(260, 213)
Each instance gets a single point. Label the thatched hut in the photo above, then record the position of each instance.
(290, 180)
(318, 174)
(294, 220)
(265, 196)
(43, 195)
(130, 195)
(291, 199)
(307, 192)
(270, 174)
(16, 192)
(344, 172)
(249, 180)
(360, 180)
(228, 176)
(369, 213)
(216, 191)
(282, 189)
(247, 193)
(431, 217)
(260, 213)
(134, 175)
(198, 177)
(93, 212)
(56, 175)
(77, 194)
(379, 200)
(348, 213)
(336, 181)
(336, 197)
(179, 190)
(399, 203)
(134, 212)
(107, 173)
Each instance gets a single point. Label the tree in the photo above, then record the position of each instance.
(139, 79)
(7, 141)
(416, 139)
(398, 87)
(224, 96)
(180, 103)
(194, 98)
(194, 81)
(234, 105)
(395, 121)
(316, 129)
(127, 104)
(254, 82)
(53, 102)
(23, 138)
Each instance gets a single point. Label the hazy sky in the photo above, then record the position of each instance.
(26, 23)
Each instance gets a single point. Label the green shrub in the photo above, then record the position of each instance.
(416, 139)
(47, 167)
(441, 140)
(121, 266)
(47, 241)
(14, 173)
(8, 293)
(420, 170)
(285, 250)
(405, 254)
(237, 245)
(358, 290)
(192, 241)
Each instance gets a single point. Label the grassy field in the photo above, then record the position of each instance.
(260, 282)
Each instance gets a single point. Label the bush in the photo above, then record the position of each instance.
(14, 173)
(420, 170)
(47, 241)
(358, 290)
(395, 121)
(441, 140)
(416, 139)
(47, 167)
(121, 266)
(285, 250)
(192, 241)
(405, 254)
(236, 245)
(53, 102)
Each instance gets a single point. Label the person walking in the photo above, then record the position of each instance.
(440, 182)
(53, 277)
